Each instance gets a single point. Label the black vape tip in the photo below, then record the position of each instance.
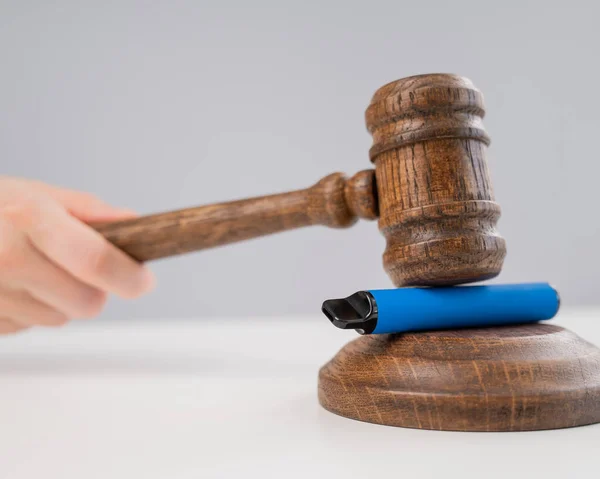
(358, 311)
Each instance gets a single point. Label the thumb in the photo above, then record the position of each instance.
(88, 207)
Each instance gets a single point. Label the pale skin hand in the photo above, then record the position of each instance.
(53, 267)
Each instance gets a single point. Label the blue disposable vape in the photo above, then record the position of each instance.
(413, 309)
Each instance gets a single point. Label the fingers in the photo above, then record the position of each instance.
(53, 267)
(7, 326)
(56, 287)
(26, 269)
(84, 206)
(87, 207)
(84, 253)
(23, 310)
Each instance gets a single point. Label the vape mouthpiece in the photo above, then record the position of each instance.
(358, 311)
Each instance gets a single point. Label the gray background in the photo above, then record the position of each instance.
(167, 104)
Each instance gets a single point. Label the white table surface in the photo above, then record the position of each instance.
(232, 398)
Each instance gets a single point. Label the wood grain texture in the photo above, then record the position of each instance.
(436, 202)
(334, 201)
(432, 192)
(438, 215)
(516, 378)
(431, 189)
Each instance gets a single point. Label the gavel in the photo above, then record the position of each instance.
(432, 194)
(430, 190)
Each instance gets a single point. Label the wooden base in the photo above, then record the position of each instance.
(516, 378)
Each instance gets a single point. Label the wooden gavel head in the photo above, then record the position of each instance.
(430, 189)
(435, 197)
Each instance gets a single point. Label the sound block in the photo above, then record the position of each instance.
(514, 378)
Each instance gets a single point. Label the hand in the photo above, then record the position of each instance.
(53, 267)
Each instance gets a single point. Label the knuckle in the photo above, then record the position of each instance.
(96, 261)
(29, 214)
(20, 213)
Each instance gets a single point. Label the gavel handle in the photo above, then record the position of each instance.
(334, 201)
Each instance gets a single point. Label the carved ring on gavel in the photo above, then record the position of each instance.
(430, 190)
